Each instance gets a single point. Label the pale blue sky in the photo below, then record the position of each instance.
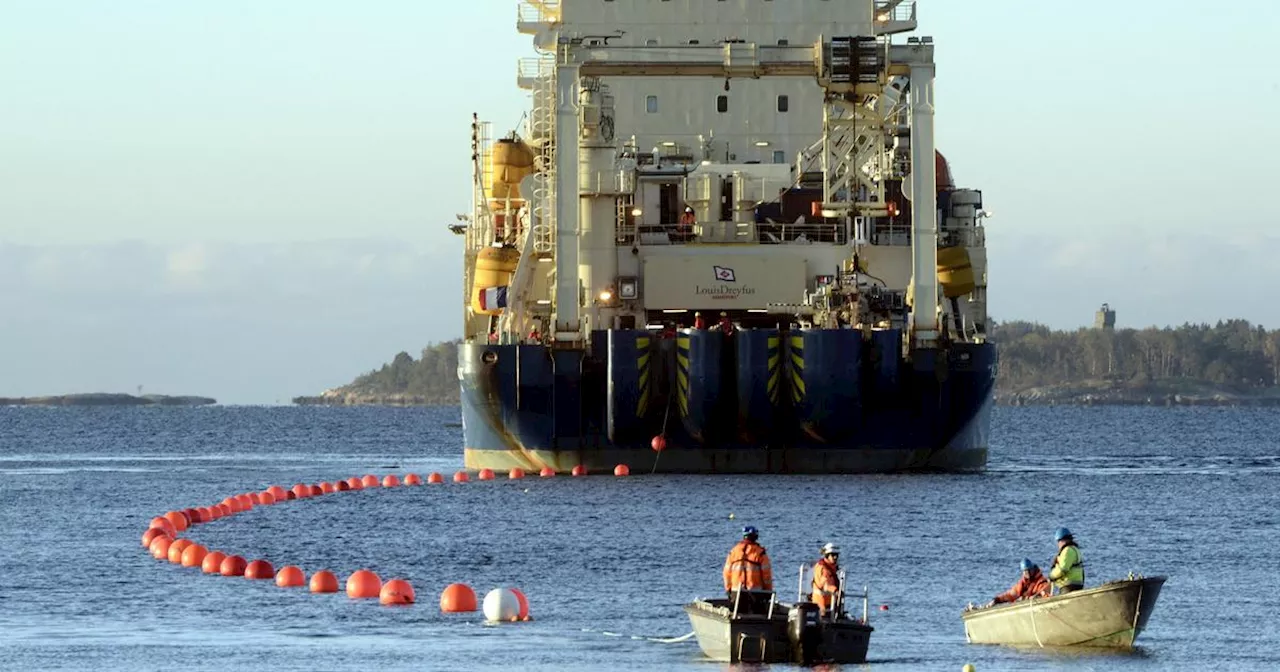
(248, 199)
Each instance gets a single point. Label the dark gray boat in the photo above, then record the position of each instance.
(757, 628)
(1111, 615)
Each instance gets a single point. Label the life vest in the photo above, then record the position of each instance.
(748, 567)
(1068, 567)
(826, 584)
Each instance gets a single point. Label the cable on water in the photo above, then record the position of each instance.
(661, 640)
(665, 416)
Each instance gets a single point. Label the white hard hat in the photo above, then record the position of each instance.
(830, 549)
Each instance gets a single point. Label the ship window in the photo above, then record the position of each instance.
(651, 104)
(779, 156)
(784, 103)
(651, 43)
(783, 43)
(722, 103)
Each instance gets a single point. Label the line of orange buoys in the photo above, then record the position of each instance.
(162, 540)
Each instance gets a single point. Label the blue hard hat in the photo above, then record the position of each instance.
(1061, 534)
(1027, 565)
(748, 530)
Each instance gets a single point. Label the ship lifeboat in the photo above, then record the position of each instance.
(494, 268)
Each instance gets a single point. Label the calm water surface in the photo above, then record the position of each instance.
(1188, 493)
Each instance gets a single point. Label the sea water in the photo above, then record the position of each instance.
(607, 562)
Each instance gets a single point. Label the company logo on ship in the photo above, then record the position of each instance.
(723, 290)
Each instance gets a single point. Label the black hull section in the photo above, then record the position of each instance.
(760, 401)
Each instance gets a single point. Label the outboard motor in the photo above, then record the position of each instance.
(804, 631)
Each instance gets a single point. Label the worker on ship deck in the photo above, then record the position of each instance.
(826, 579)
(1031, 584)
(687, 220)
(725, 325)
(748, 573)
(1067, 573)
(699, 322)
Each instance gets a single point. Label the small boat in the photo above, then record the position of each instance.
(1111, 615)
(754, 627)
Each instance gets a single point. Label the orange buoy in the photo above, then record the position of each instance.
(266, 498)
(343, 486)
(659, 443)
(160, 547)
(457, 598)
(412, 479)
(316, 491)
(150, 534)
(579, 470)
(193, 555)
(233, 505)
(324, 581)
(524, 605)
(363, 584)
(277, 492)
(396, 591)
(355, 483)
(300, 490)
(461, 477)
(212, 513)
(434, 477)
(622, 470)
(175, 550)
(290, 576)
(290, 496)
(246, 502)
(203, 515)
(390, 481)
(515, 473)
(259, 569)
(328, 488)
(232, 565)
(179, 520)
(212, 563)
(369, 481)
(225, 509)
(256, 498)
(193, 516)
(547, 472)
(162, 523)
(485, 474)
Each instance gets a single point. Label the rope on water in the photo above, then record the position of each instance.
(661, 640)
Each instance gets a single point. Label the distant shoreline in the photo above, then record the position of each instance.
(1168, 392)
(108, 399)
(1080, 393)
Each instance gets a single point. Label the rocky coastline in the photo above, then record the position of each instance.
(108, 399)
(1080, 393)
(1159, 393)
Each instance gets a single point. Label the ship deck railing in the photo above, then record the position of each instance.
(719, 233)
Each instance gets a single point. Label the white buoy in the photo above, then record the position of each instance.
(501, 605)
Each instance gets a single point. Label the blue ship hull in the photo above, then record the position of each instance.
(759, 401)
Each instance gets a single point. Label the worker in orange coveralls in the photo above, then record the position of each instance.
(1031, 584)
(826, 578)
(748, 573)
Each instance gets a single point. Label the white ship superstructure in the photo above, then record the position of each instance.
(768, 165)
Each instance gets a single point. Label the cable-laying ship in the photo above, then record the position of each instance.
(723, 241)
